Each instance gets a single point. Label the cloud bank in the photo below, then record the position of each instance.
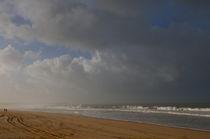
(140, 51)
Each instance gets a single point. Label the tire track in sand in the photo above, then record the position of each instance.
(19, 123)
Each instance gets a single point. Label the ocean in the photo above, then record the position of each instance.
(184, 116)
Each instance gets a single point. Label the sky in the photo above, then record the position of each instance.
(104, 51)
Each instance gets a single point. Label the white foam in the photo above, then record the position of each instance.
(187, 111)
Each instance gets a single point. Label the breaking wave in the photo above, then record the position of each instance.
(187, 111)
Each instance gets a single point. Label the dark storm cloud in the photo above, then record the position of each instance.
(101, 24)
(195, 3)
(133, 55)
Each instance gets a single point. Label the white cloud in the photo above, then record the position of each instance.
(11, 60)
(64, 66)
(32, 55)
(11, 31)
(51, 68)
(47, 27)
(77, 79)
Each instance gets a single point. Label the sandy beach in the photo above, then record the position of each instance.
(20, 124)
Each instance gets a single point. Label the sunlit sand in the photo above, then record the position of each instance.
(19, 124)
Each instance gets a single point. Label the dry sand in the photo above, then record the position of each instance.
(18, 124)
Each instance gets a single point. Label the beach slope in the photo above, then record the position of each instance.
(19, 124)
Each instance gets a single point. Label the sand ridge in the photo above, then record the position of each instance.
(20, 124)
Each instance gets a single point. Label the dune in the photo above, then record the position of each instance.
(21, 124)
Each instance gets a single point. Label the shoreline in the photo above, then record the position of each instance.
(140, 122)
(27, 124)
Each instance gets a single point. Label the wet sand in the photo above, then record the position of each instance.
(19, 124)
